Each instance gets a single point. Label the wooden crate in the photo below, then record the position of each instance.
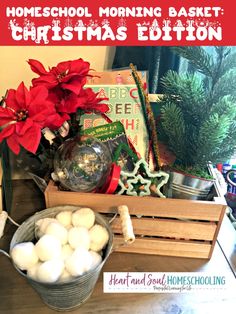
(172, 227)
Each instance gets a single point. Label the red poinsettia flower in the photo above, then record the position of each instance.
(64, 100)
(67, 102)
(69, 75)
(24, 115)
(89, 101)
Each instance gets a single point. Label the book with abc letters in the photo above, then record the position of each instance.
(124, 106)
(113, 135)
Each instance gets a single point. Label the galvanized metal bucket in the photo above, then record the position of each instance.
(185, 186)
(63, 296)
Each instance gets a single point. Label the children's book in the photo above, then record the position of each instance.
(119, 86)
(113, 135)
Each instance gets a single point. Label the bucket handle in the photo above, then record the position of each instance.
(5, 253)
(126, 225)
(6, 216)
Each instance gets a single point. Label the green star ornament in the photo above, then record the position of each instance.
(142, 174)
(138, 186)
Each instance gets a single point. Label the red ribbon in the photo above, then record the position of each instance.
(112, 181)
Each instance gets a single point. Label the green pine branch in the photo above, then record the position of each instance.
(226, 85)
(212, 134)
(197, 57)
(225, 106)
(228, 63)
(174, 126)
(189, 91)
(198, 113)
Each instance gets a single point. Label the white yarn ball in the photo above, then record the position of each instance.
(24, 255)
(65, 276)
(79, 237)
(84, 254)
(99, 237)
(96, 259)
(41, 226)
(66, 251)
(69, 227)
(48, 247)
(83, 217)
(32, 271)
(79, 262)
(58, 231)
(64, 218)
(50, 271)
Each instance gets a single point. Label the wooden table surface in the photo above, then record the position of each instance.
(17, 296)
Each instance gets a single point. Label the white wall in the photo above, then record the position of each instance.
(14, 68)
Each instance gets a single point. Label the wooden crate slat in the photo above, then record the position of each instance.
(147, 206)
(176, 218)
(165, 247)
(169, 228)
